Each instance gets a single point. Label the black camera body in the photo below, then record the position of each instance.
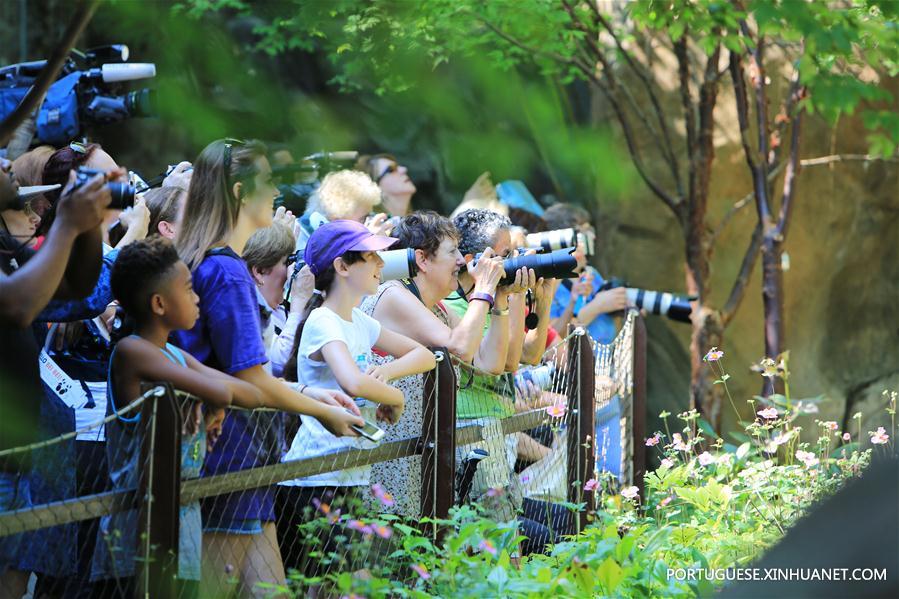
(122, 193)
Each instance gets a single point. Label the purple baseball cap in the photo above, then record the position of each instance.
(333, 239)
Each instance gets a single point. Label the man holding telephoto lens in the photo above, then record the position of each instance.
(578, 300)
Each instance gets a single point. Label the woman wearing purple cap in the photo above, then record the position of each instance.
(333, 350)
(230, 196)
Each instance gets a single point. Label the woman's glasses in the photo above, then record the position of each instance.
(391, 168)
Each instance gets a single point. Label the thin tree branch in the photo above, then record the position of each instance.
(683, 62)
(784, 117)
(740, 204)
(620, 114)
(667, 146)
(84, 10)
(789, 189)
(738, 291)
(739, 83)
(760, 177)
(822, 160)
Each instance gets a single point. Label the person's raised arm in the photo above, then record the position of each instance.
(144, 361)
(411, 357)
(85, 261)
(535, 339)
(524, 279)
(403, 313)
(332, 414)
(604, 302)
(28, 290)
(243, 394)
(354, 381)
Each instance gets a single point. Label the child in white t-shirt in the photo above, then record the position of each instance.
(333, 351)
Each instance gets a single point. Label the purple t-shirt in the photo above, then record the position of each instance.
(228, 337)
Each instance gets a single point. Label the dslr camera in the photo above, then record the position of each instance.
(122, 193)
(662, 303)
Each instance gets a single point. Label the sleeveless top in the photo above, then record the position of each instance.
(116, 547)
(401, 477)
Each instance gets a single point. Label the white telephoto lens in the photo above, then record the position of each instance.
(398, 264)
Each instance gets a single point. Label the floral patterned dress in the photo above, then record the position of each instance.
(401, 477)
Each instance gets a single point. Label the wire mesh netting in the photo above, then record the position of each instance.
(145, 508)
(614, 372)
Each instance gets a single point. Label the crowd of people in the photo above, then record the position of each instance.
(203, 284)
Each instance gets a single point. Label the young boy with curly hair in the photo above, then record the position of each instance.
(153, 286)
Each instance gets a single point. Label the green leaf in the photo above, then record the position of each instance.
(610, 575)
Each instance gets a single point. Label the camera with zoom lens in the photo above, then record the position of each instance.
(559, 264)
(398, 264)
(550, 241)
(673, 306)
(122, 193)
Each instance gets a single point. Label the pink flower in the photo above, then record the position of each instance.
(630, 492)
(714, 355)
(322, 507)
(667, 463)
(556, 411)
(665, 501)
(591, 485)
(333, 517)
(525, 478)
(768, 413)
(421, 571)
(847, 437)
(383, 496)
(880, 437)
(808, 458)
(360, 526)
(705, 458)
(830, 425)
(653, 440)
(487, 546)
(494, 492)
(382, 531)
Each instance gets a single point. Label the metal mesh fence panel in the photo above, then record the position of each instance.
(615, 398)
(519, 448)
(74, 527)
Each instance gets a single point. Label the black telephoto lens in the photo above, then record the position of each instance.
(560, 264)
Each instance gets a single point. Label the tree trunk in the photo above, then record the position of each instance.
(708, 330)
(772, 301)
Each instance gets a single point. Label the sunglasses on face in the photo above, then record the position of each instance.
(391, 168)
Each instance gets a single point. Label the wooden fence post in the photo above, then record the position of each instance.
(638, 406)
(581, 423)
(159, 494)
(438, 439)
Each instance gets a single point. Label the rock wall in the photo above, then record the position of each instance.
(841, 289)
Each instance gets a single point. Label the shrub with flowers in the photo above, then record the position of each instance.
(710, 504)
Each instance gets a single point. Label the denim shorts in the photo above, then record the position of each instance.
(236, 527)
(15, 494)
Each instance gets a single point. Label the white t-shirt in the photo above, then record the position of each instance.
(322, 327)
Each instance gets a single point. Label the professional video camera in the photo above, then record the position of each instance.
(673, 306)
(88, 90)
(298, 180)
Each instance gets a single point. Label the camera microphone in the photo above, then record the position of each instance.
(125, 71)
